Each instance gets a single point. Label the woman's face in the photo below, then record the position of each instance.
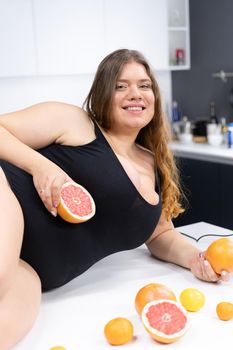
(133, 100)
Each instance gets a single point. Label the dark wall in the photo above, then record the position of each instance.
(211, 35)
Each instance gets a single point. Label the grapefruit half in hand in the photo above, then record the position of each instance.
(165, 320)
(220, 255)
(76, 204)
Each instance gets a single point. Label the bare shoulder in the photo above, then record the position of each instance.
(77, 127)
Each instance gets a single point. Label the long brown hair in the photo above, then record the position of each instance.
(154, 136)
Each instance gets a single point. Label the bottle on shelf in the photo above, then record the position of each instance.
(213, 116)
(176, 113)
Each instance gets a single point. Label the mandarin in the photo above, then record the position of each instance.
(118, 331)
(224, 311)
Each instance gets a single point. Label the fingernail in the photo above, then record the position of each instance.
(206, 263)
(201, 255)
(223, 273)
(55, 204)
(53, 213)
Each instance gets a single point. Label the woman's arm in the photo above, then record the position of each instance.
(167, 244)
(24, 131)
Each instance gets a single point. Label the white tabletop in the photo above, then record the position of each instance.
(74, 316)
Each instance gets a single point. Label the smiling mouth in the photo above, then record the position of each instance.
(131, 108)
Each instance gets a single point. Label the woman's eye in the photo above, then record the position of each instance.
(121, 87)
(145, 86)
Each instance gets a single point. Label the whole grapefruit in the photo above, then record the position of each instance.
(152, 291)
(220, 255)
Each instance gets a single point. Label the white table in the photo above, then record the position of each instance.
(74, 315)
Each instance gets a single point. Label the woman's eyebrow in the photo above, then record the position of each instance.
(140, 80)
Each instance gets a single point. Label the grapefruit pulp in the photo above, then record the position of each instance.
(165, 320)
(76, 204)
(152, 291)
(220, 255)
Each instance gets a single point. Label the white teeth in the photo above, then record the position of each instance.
(134, 108)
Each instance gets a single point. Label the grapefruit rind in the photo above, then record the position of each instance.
(157, 335)
(66, 214)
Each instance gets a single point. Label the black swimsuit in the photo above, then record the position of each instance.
(60, 251)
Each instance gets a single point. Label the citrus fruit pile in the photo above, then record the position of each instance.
(76, 203)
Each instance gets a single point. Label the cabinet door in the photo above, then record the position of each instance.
(200, 182)
(140, 25)
(17, 56)
(69, 35)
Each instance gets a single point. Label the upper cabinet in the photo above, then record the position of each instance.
(140, 25)
(60, 37)
(178, 34)
(18, 55)
(69, 35)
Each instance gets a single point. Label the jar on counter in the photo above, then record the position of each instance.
(230, 135)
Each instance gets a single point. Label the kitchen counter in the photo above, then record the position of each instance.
(74, 316)
(203, 151)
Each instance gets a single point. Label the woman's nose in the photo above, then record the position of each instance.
(134, 93)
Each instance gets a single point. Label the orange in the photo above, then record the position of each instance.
(165, 320)
(192, 299)
(152, 291)
(220, 255)
(224, 311)
(118, 331)
(57, 348)
(76, 204)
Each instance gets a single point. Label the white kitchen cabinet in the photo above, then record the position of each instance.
(69, 36)
(18, 56)
(138, 24)
(178, 34)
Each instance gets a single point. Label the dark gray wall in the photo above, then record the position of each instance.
(211, 35)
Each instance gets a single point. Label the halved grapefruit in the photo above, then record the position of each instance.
(165, 320)
(76, 204)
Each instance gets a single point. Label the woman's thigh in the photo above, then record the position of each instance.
(11, 228)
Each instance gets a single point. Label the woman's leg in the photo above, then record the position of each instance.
(20, 289)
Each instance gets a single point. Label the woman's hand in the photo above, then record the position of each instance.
(202, 269)
(48, 179)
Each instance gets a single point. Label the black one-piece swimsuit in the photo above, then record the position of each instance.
(60, 251)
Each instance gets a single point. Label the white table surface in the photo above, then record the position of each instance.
(74, 316)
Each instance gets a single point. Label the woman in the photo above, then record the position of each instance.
(118, 150)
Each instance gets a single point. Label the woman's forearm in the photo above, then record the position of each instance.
(171, 246)
(17, 153)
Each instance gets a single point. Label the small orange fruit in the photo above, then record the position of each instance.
(150, 292)
(192, 299)
(118, 331)
(220, 255)
(165, 320)
(76, 204)
(224, 311)
(57, 348)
